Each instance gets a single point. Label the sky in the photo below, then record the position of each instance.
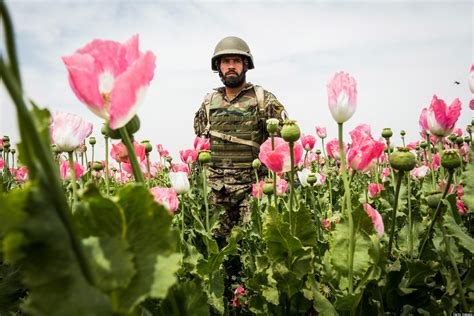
(400, 54)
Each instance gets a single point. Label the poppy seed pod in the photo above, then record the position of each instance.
(204, 156)
(148, 146)
(423, 144)
(402, 133)
(92, 140)
(452, 137)
(467, 139)
(387, 133)
(290, 131)
(272, 125)
(104, 130)
(268, 187)
(311, 179)
(403, 159)
(256, 163)
(433, 199)
(6, 138)
(450, 159)
(459, 140)
(97, 166)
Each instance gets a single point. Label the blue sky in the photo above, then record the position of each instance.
(400, 53)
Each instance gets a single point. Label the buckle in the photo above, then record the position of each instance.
(227, 137)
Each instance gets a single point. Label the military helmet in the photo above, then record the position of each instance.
(231, 45)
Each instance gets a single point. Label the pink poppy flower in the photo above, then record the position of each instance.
(111, 78)
(441, 118)
(419, 172)
(332, 148)
(374, 190)
(202, 143)
(308, 141)
(413, 145)
(175, 167)
(120, 154)
(164, 153)
(364, 149)
(166, 197)
(461, 207)
(321, 131)
(377, 220)
(458, 131)
(327, 224)
(188, 155)
(423, 121)
(342, 96)
(68, 131)
(459, 191)
(65, 170)
(278, 160)
(281, 186)
(257, 189)
(2, 164)
(385, 174)
(21, 174)
(239, 292)
(159, 148)
(436, 161)
(471, 104)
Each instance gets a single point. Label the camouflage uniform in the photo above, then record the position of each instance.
(230, 171)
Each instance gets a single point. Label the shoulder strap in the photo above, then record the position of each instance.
(207, 105)
(260, 94)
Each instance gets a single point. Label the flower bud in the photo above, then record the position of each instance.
(311, 179)
(450, 159)
(13, 151)
(318, 152)
(387, 133)
(402, 133)
(6, 138)
(290, 131)
(403, 159)
(113, 169)
(452, 137)
(268, 187)
(459, 140)
(467, 139)
(204, 156)
(272, 125)
(104, 130)
(92, 140)
(97, 166)
(433, 199)
(6, 146)
(423, 144)
(148, 146)
(256, 164)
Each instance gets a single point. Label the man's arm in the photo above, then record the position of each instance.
(200, 120)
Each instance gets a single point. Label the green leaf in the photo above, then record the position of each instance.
(468, 184)
(462, 237)
(165, 269)
(49, 268)
(113, 264)
(185, 298)
(305, 227)
(320, 303)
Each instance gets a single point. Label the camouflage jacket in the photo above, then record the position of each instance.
(240, 180)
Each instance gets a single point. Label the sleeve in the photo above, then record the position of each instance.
(200, 120)
(274, 109)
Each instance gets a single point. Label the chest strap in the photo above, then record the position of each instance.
(234, 139)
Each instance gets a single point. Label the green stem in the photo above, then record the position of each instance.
(274, 176)
(324, 150)
(394, 211)
(204, 187)
(447, 242)
(258, 203)
(410, 219)
(389, 165)
(430, 159)
(440, 153)
(349, 208)
(436, 214)
(73, 178)
(292, 163)
(148, 169)
(317, 219)
(137, 173)
(92, 162)
(107, 164)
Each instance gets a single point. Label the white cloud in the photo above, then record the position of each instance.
(399, 52)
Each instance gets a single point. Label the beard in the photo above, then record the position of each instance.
(233, 81)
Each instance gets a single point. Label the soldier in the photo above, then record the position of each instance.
(236, 126)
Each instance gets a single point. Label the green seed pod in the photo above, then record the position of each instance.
(402, 133)
(452, 137)
(459, 140)
(204, 156)
(311, 179)
(104, 130)
(132, 127)
(113, 169)
(256, 164)
(97, 166)
(6, 145)
(92, 140)
(450, 159)
(290, 131)
(148, 146)
(272, 125)
(387, 133)
(403, 159)
(268, 187)
(467, 139)
(433, 199)
(13, 151)
(423, 144)
(318, 152)
(6, 138)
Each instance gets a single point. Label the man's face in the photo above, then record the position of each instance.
(232, 70)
